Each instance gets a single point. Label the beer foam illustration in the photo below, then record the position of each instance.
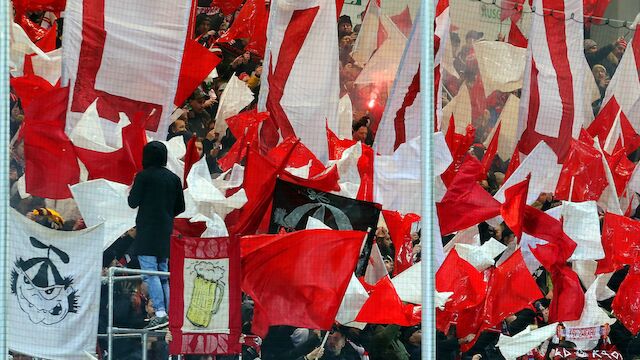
(209, 271)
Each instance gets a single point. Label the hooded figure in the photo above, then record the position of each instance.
(157, 193)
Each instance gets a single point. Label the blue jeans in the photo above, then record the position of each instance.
(158, 286)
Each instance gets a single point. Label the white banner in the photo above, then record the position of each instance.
(54, 292)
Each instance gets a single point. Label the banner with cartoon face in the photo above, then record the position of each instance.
(204, 317)
(54, 289)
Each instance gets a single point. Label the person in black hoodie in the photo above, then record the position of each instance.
(157, 193)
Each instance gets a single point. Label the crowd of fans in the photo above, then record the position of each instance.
(133, 307)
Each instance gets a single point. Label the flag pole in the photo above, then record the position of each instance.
(5, 12)
(425, 19)
(573, 178)
(324, 340)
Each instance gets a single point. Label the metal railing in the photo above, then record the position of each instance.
(112, 331)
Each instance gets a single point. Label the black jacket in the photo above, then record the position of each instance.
(157, 193)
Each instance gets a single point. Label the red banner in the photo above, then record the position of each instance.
(205, 313)
(562, 353)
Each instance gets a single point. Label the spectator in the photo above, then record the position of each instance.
(198, 117)
(157, 193)
(344, 26)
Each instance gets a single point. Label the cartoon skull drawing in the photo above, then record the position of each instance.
(42, 293)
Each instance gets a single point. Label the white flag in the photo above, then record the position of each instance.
(54, 291)
(126, 53)
(512, 347)
(235, 97)
(103, 201)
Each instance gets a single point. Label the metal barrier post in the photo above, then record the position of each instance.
(110, 314)
(143, 340)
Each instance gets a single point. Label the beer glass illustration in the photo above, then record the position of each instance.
(207, 294)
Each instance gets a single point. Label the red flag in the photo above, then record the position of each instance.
(594, 8)
(568, 297)
(602, 124)
(300, 156)
(621, 168)
(184, 227)
(50, 160)
(403, 21)
(365, 169)
(512, 210)
(285, 277)
(39, 5)
(620, 243)
(511, 9)
(465, 203)
(384, 296)
(477, 96)
(190, 157)
(48, 41)
(513, 164)
(227, 7)
(197, 63)
(251, 24)
(459, 147)
(510, 289)
(244, 127)
(583, 167)
(627, 301)
(29, 88)
(400, 231)
(516, 38)
(460, 277)
(326, 182)
(336, 145)
(492, 149)
(120, 165)
(629, 135)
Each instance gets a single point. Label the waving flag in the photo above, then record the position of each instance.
(552, 103)
(441, 34)
(105, 58)
(301, 36)
(401, 118)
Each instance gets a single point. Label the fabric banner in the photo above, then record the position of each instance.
(204, 317)
(54, 289)
(110, 42)
(562, 353)
(294, 204)
(301, 36)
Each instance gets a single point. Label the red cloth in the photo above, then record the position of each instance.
(120, 165)
(510, 289)
(465, 281)
(336, 145)
(326, 182)
(585, 166)
(30, 87)
(511, 9)
(516, 38)
(403, 21)
(492, 149)
(601, 125)
(459, 147)
(621, 168)
(188, 256)
(48, 41)
(50, 160)
(197, 63)
(620, 243)
(465, 203)
(627, 301)
(190, 157)
(300, 156)
(513, 164)
(384, 296)
(629, 135)
(400, 231)
(512, 210)
(287, 277)
(251, 23)
(244, 127)
(227, 7)
(39, 5)
(568, 297)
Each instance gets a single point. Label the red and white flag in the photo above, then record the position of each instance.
(625, 83)
(372, 33)
(129, 55)
(553, 98)
(401, 118)
(301, 36)
(441, 34)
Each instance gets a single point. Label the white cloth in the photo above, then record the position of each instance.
(55, 291)
(513, 346)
